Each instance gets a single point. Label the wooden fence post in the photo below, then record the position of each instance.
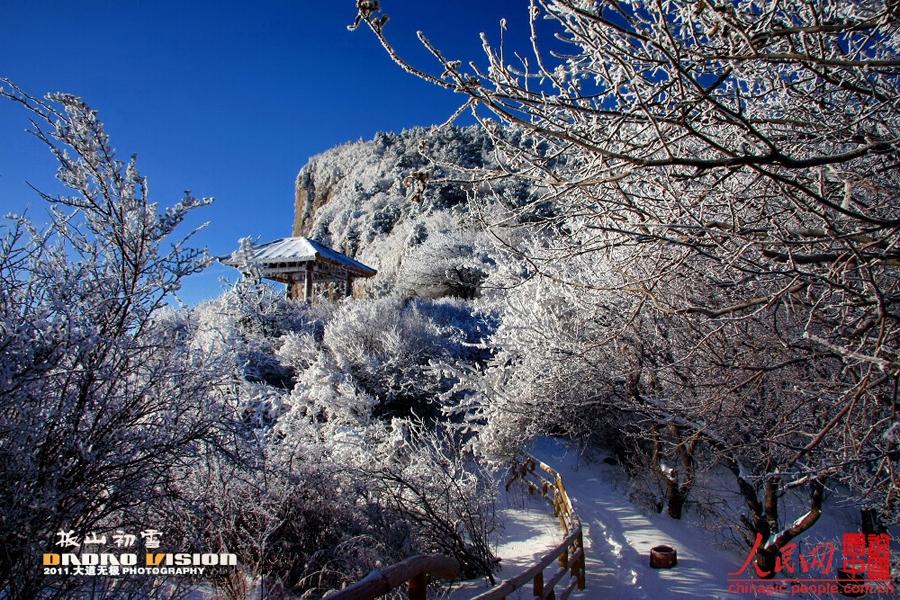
(582, 566)
(418, 587)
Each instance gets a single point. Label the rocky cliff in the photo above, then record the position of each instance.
(353, 197)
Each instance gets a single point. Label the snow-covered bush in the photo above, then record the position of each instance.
(246, 324)
(388, 347)
(448, 264)
(310, 524)
(447, 497)
(305, 508)
(539, 380)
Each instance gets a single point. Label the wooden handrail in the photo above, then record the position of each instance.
(537, 569)
(570, 552)
(415, 570)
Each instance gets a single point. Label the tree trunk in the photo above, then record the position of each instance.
(676, 492)
(677, 496)
(762, 524)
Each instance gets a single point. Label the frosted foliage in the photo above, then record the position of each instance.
(388, 346)
(450, 264)
(103, 404)
(427, 477)
(243, 326)
(325, 392)
(249, 424)
(298, 350)
(337, 364)
(541, 380)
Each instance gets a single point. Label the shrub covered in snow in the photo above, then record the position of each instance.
(103, 405)
(328, 393)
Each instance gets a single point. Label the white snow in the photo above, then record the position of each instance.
(529, 531)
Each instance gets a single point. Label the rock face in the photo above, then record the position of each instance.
(353, 197)
(308, 198)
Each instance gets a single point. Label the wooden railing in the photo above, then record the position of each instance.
(415, 570)
(569, 554)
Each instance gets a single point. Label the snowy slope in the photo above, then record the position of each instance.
(359, 198)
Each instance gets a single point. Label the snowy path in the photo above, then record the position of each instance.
(617, 538)
(529, 531)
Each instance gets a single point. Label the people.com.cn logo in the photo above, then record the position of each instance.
(865, 569)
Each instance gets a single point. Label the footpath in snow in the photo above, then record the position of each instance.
(617, 538)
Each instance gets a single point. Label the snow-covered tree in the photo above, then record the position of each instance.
(449, 264)
(101, 406)
(426, 476)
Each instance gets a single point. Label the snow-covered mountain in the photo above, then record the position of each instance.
(362, 198)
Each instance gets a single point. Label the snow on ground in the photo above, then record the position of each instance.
(618, 537)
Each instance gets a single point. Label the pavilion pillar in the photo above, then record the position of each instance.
(308, 287)
(348, 287)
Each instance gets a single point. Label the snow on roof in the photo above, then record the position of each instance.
(299, 250)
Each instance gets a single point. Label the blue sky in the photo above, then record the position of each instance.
(227, 99)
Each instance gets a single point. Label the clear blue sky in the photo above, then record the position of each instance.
(227, 99)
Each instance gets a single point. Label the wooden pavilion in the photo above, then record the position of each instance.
(300, 263)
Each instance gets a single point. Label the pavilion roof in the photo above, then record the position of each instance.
(297, 250)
